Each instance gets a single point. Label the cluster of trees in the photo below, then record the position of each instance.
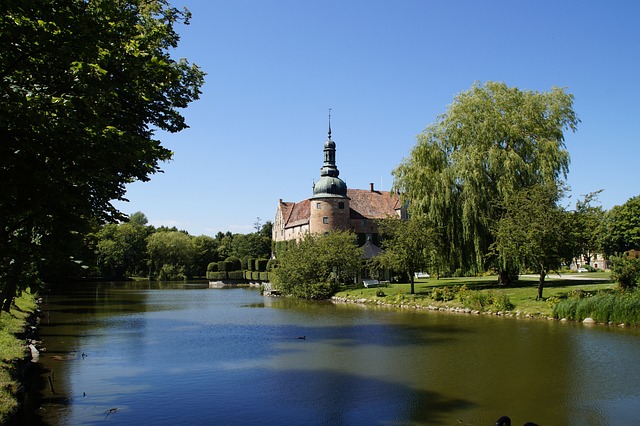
(488, 180)
(134, 248)
(84, 84)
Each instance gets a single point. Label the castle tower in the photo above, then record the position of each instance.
(329, 206)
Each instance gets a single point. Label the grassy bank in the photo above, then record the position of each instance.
(12, 349)
(480, 292)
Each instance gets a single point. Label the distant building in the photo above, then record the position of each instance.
(335, 207)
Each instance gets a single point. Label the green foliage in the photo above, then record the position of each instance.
(264, 276)
(408, 245)
(170, 248)
(212, 267)
(492, 141)
(261, 265)
(533, 232)
(122, 249)
(625, 270)
(236, 275)
(586, 225)
(617, 307)
(272, 264)
(234, 263)
(622, 228)
(255, 276)
(251, 264)
(84, 84)
(172, 273)
(316, 266)
(206, 251)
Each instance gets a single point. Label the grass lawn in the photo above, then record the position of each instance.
(11, 349)
(522, 294)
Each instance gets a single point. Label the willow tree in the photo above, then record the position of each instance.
(492, 141)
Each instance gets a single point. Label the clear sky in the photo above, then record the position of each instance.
(386, 69)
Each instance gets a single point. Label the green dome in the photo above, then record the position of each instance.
(329, 186)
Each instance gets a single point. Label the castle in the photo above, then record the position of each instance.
(335, 207)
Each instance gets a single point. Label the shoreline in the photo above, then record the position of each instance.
(461, 310)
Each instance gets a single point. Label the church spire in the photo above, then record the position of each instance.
(329, 123)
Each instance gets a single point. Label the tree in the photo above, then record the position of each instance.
(586, 227)
(492, 141)
(622, 228)
(407, 245)
(171, 255)
(122, 249)
(315, 266)
(206, 251)
(533, 231)
(84, 84)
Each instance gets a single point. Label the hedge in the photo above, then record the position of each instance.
(212, 267)
(261, 265)
(264, 276)
(235, 263)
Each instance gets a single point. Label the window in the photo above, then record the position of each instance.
(318, 206)
(325, 220)
(363, 223)
(341, 205)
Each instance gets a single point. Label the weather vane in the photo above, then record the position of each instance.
(329, 123)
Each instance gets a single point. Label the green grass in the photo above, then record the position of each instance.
(522, 294)
(11, 349)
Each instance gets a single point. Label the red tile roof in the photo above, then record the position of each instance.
(369, 204)
(299, 214)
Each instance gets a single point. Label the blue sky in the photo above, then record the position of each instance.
(386, 69)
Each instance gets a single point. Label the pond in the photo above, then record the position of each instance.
(148, 353)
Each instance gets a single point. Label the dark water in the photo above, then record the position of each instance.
(198, 356)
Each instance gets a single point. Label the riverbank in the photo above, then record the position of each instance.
(14, 327)
(448, 294)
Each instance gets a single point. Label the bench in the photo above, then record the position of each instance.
(371, 283)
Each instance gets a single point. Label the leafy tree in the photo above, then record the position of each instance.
(408, 245)
(254, 245)
(122, 249)
(586, 223)
(315, 267)
(84, 84)
(206, 251)
(533, 231)
(492, 141)
(622, 228)
(171, 255)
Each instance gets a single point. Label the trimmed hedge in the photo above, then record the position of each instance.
(261, 265)
(251, 264)
(212, 267)
(255, 275)
(264, 276)
(234, 262)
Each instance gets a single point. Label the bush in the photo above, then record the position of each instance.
(212, 267)
(625, 270)
(251, 264)
(255, 275)
(261, 265)
(171, 273)
(236, 275)
(272, 264)
(233, 263)
(264, 276)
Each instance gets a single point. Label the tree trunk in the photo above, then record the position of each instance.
(8, 293)
(543, 274)
(412, 287)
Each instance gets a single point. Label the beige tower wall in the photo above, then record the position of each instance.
(332, 210)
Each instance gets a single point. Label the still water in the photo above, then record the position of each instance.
(126, 354)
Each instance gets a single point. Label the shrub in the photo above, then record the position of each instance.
(264, 276)
(272, 264)
(606, 306)
(500, 301)
(255, 275)
(243, 263)
(236, 275)
(625, 270)
(212, 267)
(234, 263)
(251, 264)
(261, 265)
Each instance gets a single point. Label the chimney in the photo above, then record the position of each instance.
(371, 186)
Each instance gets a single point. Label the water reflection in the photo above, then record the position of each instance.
(192, 355)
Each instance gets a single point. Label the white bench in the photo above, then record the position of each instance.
(421, 275)
(371, 283)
